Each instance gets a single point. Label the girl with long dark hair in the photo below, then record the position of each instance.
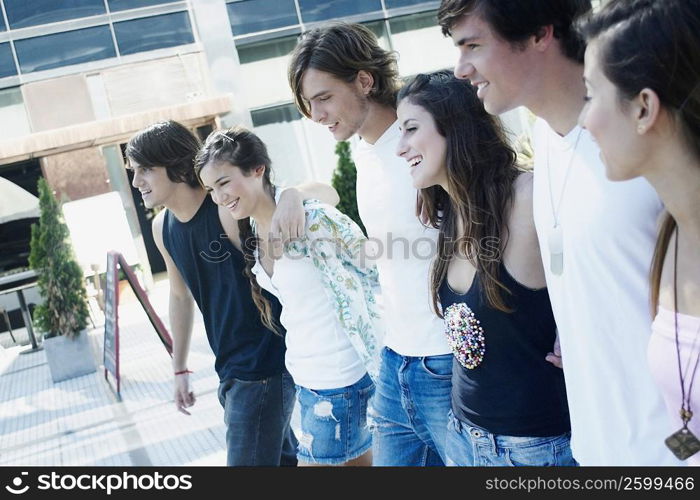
(642, 73)
(508, 402)
(325, 288)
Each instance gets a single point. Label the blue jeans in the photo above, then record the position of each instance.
(334, 423)
(409, 413)
(468, 445)
(257, 415)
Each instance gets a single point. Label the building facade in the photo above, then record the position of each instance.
(79, 77)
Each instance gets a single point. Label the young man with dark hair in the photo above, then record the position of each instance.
(200, 244)
(342, 79)
(596, 236)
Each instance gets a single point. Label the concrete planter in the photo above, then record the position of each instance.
(69, 358)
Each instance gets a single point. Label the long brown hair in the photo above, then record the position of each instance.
(668, 226)
(481, 170)
(245, 150)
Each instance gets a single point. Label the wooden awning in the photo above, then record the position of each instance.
(114, 130)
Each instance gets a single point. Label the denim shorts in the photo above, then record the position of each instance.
(468, 445)
(334, 423)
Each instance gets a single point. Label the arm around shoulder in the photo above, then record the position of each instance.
(288, 221)
(340, 233)
(318, 191)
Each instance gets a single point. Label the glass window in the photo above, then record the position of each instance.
(7, 64)
(394, 4)
(152, 33)
(413, 22)
(420, 44)
(300, 150)
(116, 5)
(250, 16)
(264, 71)
(63, 49)
(280, 128)
(379, 29)
(279, 114)
(322, 10)
(11, 96)
(267, 49)
(2, 23)
(13, 117)
(23, 13)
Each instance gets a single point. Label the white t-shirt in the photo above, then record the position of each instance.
(319, 353)
(601, 300)
(386, 200)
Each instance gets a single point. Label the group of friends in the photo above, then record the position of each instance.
(544, 316)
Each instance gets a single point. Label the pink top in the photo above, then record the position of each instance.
(663, 361)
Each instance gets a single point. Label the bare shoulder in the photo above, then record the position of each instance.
(522, 192)
(157, 226)
(159, 218)
(521, 217)
(522, 253)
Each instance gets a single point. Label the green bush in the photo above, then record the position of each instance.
(64, 311)
(344, 181)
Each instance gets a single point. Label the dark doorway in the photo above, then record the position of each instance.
(15, 239)
(15, 235)
(24, 173)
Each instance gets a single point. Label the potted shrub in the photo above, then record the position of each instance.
(63, 315)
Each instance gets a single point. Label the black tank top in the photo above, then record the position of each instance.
(213, 271)
(501, 381)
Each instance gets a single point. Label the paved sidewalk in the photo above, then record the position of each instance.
(80, 422)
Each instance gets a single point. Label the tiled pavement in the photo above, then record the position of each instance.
(80, 421)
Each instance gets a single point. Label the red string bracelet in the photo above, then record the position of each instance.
(182, 372)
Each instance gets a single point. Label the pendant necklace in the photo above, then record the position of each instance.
(556, 235)
(683, 443)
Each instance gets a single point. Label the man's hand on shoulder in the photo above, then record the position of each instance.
(289, 219)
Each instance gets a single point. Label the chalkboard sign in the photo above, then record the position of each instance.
(111, 340)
